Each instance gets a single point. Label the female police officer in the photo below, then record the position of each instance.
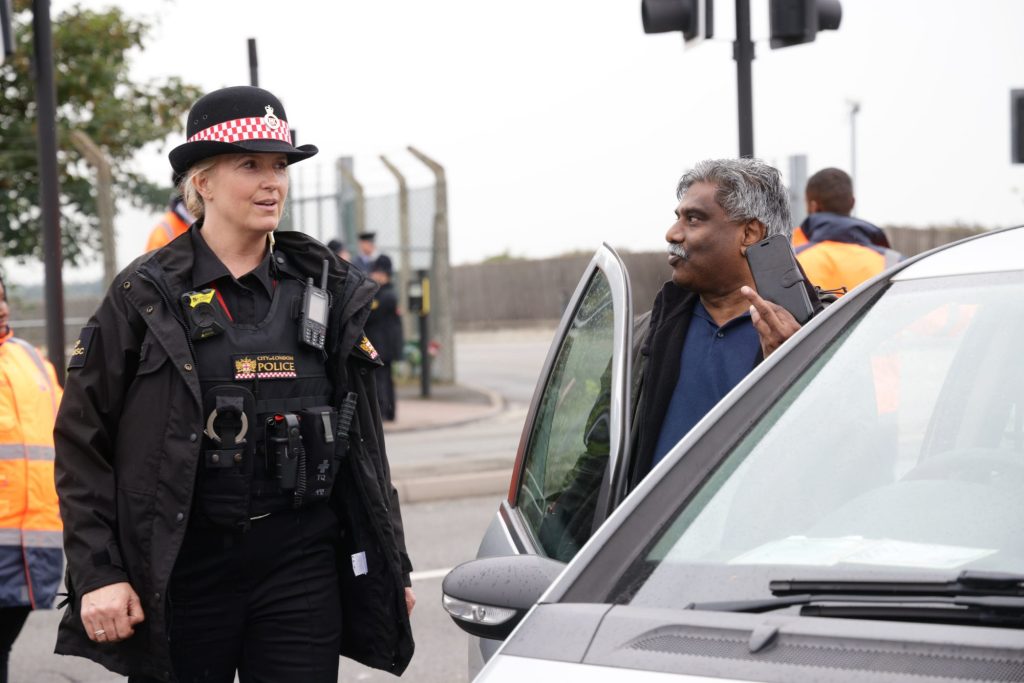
(220, 462)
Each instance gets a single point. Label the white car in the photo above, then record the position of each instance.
(852, 511)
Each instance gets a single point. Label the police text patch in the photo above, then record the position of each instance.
(80, 352)
(264, 366)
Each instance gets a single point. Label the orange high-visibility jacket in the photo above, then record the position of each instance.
(173, 223)
(840, 251)
(30, 527)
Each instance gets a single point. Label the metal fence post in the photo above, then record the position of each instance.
(441, 305)
(405, 259)
(357, 192)
(104, 199)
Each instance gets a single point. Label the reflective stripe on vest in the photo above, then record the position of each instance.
(32, 538)
(17, 451)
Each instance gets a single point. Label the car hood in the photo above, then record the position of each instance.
(511, 669)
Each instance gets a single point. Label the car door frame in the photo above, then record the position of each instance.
(520, 538)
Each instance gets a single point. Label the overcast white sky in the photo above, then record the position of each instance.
(562, 125)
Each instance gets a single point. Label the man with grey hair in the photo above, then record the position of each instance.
(708, 327)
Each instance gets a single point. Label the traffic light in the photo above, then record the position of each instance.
(1017, 126)
(693, 18)
(797, 21)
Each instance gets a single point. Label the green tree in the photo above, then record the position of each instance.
(96, 95)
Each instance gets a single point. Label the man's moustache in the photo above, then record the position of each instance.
(676, 250)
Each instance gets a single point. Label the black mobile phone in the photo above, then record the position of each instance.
(778, 278)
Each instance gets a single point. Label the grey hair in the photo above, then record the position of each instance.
(747, 188)
(194, 200)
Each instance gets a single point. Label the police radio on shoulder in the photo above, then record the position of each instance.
(313, 320)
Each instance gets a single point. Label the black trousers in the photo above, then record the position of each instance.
(11, 621)
(264, 603)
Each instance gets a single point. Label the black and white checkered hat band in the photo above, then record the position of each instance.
(250, 128)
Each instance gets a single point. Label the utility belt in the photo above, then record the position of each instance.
(261, 457)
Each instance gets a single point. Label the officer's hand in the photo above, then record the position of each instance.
(110, 613)
(410, 600)
(774, 324)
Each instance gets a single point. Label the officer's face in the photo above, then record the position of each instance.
(706, 249)
(246, 191)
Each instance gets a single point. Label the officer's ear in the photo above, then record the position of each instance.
(201, 182)
(753, 232)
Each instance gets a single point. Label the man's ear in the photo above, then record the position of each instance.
(753, 232)
(812, 206)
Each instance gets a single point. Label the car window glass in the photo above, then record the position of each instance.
(900, 449)
(568, 447)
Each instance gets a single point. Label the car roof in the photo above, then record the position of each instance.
(991, 252)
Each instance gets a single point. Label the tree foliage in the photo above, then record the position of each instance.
(95, 94)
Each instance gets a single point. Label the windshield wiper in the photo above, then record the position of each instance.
(978, 598)
(967, 583)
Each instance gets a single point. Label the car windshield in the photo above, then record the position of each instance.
(899, 453)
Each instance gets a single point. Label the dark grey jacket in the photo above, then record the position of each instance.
(128, 439)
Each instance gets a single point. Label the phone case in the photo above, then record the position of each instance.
(778, 278)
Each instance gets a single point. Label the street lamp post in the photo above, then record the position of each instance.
(854, 110)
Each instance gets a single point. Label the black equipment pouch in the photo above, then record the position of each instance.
(223, 490)
(285, 450)
(318, 426)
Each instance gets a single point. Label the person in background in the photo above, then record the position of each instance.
(220, 463)
(368, 252)
(339, 248)
(384, 329)
(174, 222)
(30, 526)
(837, 251)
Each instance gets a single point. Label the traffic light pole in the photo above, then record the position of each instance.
(743, 53)
(49, 190)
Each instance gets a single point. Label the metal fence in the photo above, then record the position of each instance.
(411, 227)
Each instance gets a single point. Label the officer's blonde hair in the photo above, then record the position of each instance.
(194, 200)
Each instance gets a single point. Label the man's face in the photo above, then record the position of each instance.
(706, 249)
(366, 247)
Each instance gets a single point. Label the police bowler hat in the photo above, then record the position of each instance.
(382, 265)
(236, 120)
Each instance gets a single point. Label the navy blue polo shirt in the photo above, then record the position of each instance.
(714, 360)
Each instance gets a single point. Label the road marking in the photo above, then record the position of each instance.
(429, 574)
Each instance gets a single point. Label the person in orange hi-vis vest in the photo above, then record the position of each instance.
(30, 526)
(836, 250)
(174, 222)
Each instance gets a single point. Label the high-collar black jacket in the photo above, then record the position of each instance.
(128, 445)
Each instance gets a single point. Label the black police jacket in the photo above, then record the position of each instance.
(128, 439)
(384, 326)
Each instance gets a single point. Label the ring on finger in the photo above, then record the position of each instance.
(99, 633)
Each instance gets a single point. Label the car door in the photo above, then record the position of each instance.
(574, 448)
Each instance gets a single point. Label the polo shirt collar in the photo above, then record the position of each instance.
(702, 313)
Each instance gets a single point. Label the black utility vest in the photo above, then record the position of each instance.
(269, 428)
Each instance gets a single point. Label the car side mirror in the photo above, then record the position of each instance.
(488, 597)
